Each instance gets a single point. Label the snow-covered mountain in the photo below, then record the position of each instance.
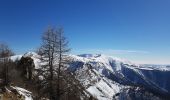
(108, 78)
(105, 77)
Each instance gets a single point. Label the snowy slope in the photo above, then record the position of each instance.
(90, 75)
(27, 94)
(106, 77)
(16, 57)
(16, 93)
(118, 73)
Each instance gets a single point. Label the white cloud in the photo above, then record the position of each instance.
(109, 51)
(136, 56)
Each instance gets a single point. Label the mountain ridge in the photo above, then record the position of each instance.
(106, 77)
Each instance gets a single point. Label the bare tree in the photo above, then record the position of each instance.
(58, 82)
(5, 53)
(63, 59)
(53, 50)
(49, 50)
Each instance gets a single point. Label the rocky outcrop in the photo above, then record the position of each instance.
(26, 66)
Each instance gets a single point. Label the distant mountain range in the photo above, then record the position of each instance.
(109, 78)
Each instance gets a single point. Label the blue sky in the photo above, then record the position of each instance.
(138, 30)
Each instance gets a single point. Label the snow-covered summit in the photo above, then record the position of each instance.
(31, 54)
(102, 57)
(15, 57)
(108, 62)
